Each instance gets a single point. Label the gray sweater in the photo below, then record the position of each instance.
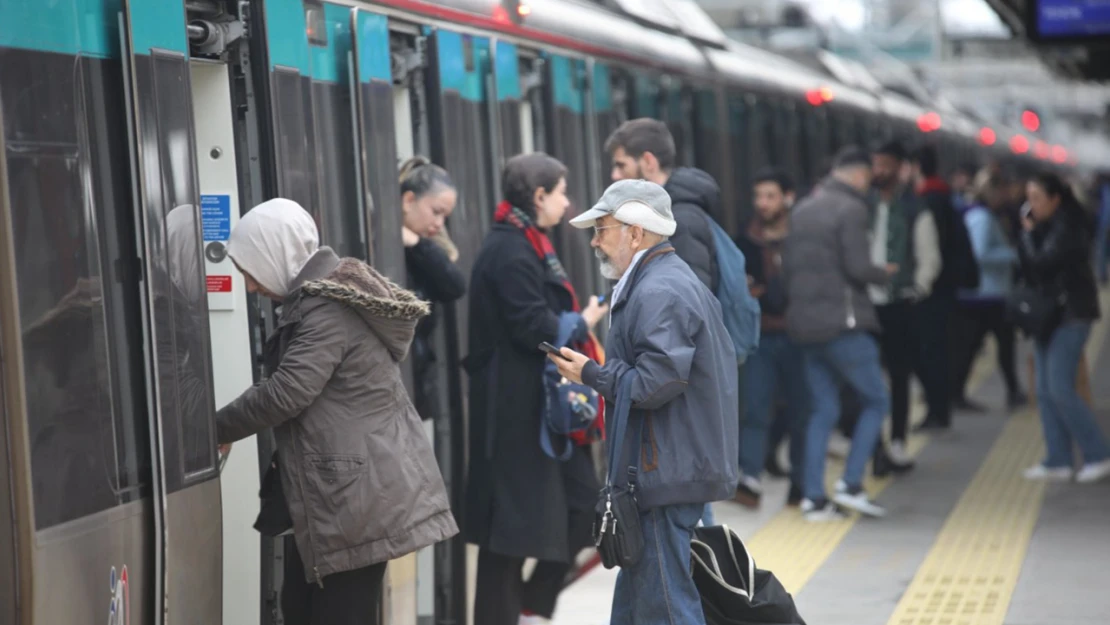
(827, 266)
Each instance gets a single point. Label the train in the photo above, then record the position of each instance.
(136, 132)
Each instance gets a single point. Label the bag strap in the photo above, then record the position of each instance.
(620, 426)
(549, 449)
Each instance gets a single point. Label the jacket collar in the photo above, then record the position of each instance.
(319, 266)
(638, 270)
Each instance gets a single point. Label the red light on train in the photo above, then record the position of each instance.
(1040, 150)
(1019, 144)
(523, 10)
(1059, 154)
(817, 97)
(929, 122)
(1030, 120)
(987, 136)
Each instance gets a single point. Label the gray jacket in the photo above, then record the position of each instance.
(358, 471)
(668, 325)
(826, 262)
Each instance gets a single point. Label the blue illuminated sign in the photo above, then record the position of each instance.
(1072, 18)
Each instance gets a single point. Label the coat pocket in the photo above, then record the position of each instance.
(335, 494)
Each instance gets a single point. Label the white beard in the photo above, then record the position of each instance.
(610, 271)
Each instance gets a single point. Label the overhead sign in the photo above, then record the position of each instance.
(1068, 21)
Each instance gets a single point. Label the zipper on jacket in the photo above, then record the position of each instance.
(851, 308)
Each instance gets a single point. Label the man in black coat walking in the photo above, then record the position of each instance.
(644, 148)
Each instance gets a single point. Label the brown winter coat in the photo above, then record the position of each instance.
(357, 469)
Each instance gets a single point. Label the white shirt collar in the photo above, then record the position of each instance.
(624, 279)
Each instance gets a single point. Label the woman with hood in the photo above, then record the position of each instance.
(1055, 253)
(520, 502)
(357, 476)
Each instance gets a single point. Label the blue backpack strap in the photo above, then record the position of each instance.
(568, 324)
(620, 426)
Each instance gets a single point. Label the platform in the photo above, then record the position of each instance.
(967, 541)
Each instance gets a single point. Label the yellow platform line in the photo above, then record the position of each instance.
(796, 549)
(969, 575)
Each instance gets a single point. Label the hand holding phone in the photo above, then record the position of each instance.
(551, 349)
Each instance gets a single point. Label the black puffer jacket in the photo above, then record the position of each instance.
(1055, 256)
(694, 197)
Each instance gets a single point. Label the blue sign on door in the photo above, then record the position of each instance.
(215, 217)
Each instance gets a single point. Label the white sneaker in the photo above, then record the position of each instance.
(1055, 474)
(828, 512)
(839, 445)
(857, 501)
(534, 620)
(897, 453)
(1093, 472)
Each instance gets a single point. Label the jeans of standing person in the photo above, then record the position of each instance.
(851, 359)
(976, 319)
(347, 598)
(660, 589)
(774, 370)
(1065, 417)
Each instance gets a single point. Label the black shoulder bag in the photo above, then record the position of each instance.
(617, 532)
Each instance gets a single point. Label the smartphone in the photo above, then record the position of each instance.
(551, 349)
(601, 299)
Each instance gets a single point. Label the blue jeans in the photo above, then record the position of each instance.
(660, 590)
(853, 359)
(774, 370)
(1065, 417)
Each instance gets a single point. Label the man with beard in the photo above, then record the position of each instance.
(668, 333)
(773, 372)
(903, 232)
(644, 149)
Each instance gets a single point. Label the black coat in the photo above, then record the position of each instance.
(959, 268)
(519, 502)
(434, 278)
(1056, 256)
(695, 197)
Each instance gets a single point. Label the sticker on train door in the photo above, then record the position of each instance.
(119, 610)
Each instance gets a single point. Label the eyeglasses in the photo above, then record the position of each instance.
(598, 229)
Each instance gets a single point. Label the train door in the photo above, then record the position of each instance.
(188, 545)
(712, 152)
(10, 600)
(228, 322)
(566, 97)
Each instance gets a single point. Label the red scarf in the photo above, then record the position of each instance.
(508, 214)
(936, 184)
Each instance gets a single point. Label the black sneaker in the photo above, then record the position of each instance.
(794, 497)
(748, 492)
(966, 405)
(933, 425)
(772, 466)
(1016, 400)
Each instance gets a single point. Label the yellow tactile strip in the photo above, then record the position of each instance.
(970, 573)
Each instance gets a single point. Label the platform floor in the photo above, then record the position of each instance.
(966, 541)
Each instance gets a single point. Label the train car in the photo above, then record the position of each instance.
(135, 133)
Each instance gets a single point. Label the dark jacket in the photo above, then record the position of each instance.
(519, 502)
(435, 279)
(1056, 257)
(764, 265)
(827, 262)
(357, 469)
(669, 328)
(695, 197)
(959, 268)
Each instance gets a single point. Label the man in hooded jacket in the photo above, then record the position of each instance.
(644, 148)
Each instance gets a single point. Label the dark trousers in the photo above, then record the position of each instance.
(974, 321)
(901, 352)
(930, 322)
(501, 594)
(347, 598)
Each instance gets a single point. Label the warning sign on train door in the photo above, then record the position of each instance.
(215, 217)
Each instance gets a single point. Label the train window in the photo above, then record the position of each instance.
(63, 304)
(180, 309)
(296, 178)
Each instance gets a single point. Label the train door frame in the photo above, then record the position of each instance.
(15, 528)
(182, 504)
(218, 175)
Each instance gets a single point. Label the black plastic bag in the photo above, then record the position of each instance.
(733, 591)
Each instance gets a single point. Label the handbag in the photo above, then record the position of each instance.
(273, 517)
(618, 536)
(1034, 311)
(733, 591)
(570, 409)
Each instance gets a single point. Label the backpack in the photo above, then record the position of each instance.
(740, 310)
(570, 411)
(961, 254)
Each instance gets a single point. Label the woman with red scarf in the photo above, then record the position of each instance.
(521, 503)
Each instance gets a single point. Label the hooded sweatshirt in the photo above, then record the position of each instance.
(694, 197)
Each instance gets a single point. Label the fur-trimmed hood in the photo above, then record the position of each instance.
(390, 311)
